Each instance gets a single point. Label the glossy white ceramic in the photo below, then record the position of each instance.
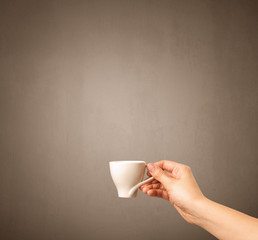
(127, 176)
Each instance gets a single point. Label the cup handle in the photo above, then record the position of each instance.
(134, 188)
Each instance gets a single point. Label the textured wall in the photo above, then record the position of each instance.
(86, 82)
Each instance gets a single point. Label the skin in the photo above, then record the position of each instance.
(178, 185)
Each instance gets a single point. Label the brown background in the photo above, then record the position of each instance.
(86, 82)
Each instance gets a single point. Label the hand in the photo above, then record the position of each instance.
(177, 185)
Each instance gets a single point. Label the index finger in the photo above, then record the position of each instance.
(168, 165)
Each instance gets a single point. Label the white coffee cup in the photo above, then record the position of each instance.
(127, 176)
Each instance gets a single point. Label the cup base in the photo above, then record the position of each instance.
(126, 195)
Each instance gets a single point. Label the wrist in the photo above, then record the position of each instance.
(199, 208)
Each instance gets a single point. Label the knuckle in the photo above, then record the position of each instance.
(177, 172)
(158, 174)
(187, 168)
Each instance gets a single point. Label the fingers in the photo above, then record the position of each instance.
(158, 193)
(159, 174)
(155, 189)
(153, 181)
(168, 165)
(176, 169)
(157, 185)
(149, 184)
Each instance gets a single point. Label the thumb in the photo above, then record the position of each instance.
(158, 173)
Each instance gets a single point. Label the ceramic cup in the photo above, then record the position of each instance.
(127, 177)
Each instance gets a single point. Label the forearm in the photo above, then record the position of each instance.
(225, 223)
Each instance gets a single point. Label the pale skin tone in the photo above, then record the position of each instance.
(178, 185)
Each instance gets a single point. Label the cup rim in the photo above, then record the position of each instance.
(127, 161)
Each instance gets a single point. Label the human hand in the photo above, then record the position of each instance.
(177, 185)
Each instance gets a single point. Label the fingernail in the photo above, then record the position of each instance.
(151, 167)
